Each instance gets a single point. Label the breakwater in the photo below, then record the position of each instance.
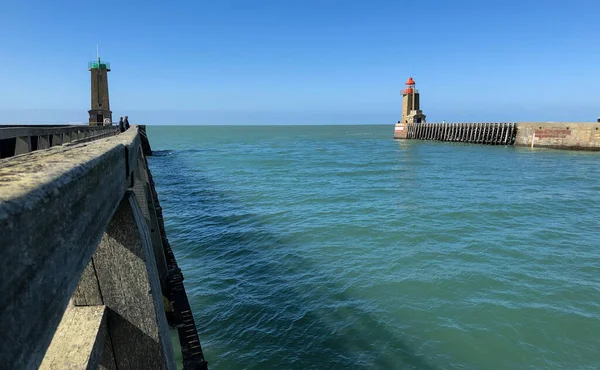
(88, 278)
(480, 133)
(557, 135)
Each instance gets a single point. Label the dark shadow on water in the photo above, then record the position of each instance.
(162, 153)
(274, 313)
(168, 152)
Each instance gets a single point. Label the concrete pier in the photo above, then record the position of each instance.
(88, 279)
(556, 135)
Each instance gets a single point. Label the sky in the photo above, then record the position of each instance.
(301, 62)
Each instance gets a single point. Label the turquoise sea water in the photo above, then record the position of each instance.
(333, 247)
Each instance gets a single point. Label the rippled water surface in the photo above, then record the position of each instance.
(333, 247)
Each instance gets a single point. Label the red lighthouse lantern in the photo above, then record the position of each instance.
(410, 86)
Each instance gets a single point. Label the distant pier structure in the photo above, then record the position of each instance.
(413, 125)
(100, 112)
(556, 135)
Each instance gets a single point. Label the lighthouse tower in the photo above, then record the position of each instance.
(411, 112)
(100, 112)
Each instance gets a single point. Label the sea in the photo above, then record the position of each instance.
(337, 247)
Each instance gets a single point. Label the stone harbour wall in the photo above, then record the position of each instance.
(559, 135)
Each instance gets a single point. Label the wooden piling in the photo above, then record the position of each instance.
(489, 133)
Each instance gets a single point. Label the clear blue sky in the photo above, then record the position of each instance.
(288, 61)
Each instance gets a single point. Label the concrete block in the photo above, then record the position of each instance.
(57, 139)
(129, 285)
(79, 341)
(88, 290)
(23, 145)
(43, 142)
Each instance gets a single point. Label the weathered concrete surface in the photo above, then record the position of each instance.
(124, 277)
(23, 145)
(47, 137)
(44, 142)
(88, 290)
(400, 130)
(559, 135)
(87, 136)
(145, 142)
(107, 362)
(88, 326)
(7, 131)
(143, 194)
(55, 205)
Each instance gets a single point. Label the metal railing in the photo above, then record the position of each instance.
(99, 64)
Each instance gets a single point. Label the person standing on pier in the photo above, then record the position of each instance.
(121, 125)
(126, 123)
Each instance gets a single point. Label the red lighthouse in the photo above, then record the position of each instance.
(411, 112)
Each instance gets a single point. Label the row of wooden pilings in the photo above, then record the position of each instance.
(503, 133)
